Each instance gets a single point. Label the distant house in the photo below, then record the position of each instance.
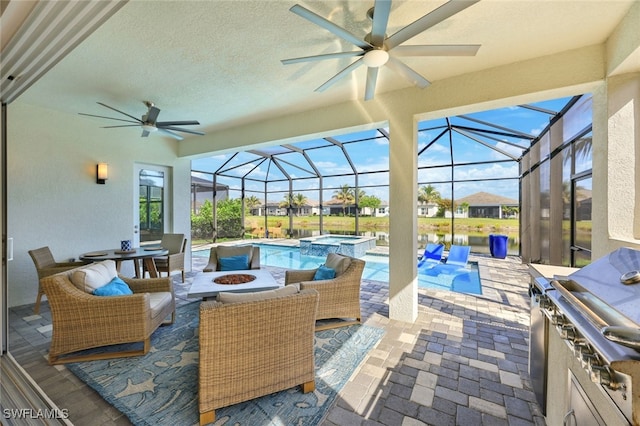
(484, 205)
(583, 204)
(311, 208)
(427, 209)
(382, 210)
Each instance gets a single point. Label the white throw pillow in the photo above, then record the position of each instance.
(96, 275)
(228, 297)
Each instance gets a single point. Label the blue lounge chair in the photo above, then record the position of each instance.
(458, 255)
(432, 255)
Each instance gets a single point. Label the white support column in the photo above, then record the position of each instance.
(403, 218)
(616, 164)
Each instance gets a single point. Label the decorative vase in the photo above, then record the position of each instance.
(125, 245)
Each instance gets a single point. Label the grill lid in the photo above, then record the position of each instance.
(603, 278)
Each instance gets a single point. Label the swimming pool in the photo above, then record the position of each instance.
(441, 277)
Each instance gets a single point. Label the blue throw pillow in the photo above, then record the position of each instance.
(115, 287)
(324, 273)
(234, 263)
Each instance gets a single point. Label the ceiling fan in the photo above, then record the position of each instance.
(377, 50)
(149, 122)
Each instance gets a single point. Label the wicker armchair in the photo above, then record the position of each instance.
(83, 321)
(45, 266)
(226, 251)
(177, 245)
(340, 296)
(254, 348)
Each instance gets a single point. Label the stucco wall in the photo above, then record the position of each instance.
(53, 198)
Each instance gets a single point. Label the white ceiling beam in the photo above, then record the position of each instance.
(50, 31)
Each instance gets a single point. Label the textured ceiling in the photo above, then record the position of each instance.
(219, 61)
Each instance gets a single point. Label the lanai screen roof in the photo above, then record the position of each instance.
(361, 159)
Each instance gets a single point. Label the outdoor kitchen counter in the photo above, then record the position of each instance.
(578, 375)
(549, 271)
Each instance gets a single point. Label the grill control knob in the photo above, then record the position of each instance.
(568, 332)
(557, 319)
(579, 345)
(603, 375)
(590, 359)
(545, 303)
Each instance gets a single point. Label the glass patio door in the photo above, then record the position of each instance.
(151, 209)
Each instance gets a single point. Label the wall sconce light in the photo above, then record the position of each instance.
(102, 173)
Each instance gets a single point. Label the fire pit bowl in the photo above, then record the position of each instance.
(234, 279)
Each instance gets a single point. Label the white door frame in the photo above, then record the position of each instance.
(167, 193)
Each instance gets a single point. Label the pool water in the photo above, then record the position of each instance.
(440, 277)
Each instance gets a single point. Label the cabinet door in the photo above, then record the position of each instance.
(581, 411)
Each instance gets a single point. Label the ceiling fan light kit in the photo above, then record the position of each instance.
(376, 47)
(375, 58)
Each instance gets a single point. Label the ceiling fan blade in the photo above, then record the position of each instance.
(372, 77)
(110, 118)
(340, 75)
(381, 10)
(429, 20)
(170, 133)
(437, 50)
(152, 115)
(322, 57)
(177, 123)
(124, 125)
(178, 129)
(117, 110)
(404, 70)
(329, 26)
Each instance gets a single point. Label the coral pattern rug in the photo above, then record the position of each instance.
(160, 388)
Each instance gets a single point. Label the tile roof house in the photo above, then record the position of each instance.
(485, 205)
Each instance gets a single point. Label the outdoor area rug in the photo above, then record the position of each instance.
(161, 388)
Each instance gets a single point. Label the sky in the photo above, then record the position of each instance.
(368, 152)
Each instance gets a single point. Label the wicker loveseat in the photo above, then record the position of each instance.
(250, 348)
(82, 320)
(339, 296)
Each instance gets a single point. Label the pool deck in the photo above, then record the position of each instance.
(462, 362)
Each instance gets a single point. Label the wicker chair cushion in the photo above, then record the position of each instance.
(227, 251)
(228, 297)
(157, 301)
(338, 263)
(94, 276)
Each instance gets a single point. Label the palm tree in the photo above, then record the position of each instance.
(252, 202)
(345, 195)
(287, 202)
(428, 194)
(299, 200)
(465, 207)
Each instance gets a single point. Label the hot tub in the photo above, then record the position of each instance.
(347, 245)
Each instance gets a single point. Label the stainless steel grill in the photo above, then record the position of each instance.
(596, 311)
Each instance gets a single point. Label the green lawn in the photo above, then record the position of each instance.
(509, 226)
